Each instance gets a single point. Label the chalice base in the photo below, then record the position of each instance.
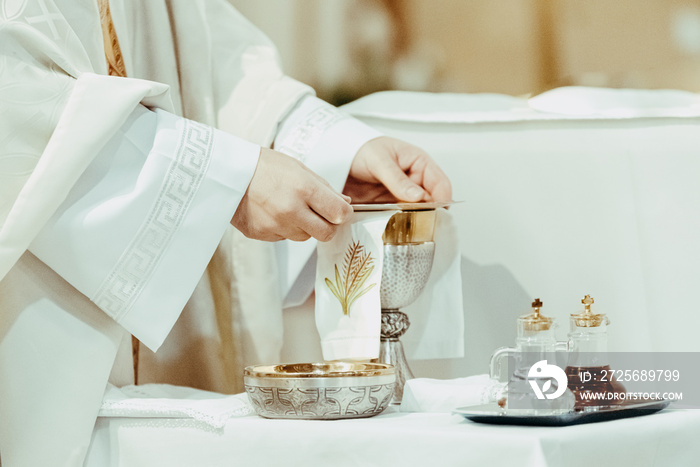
(395, 324)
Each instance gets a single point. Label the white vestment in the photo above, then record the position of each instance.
(115, 210)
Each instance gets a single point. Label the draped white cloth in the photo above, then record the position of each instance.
(68, 134)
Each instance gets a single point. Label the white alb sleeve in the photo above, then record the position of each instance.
(326, 140)
(139, 228)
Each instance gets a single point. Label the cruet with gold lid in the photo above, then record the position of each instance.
(535, 341)
(535, 348)
(588, 370)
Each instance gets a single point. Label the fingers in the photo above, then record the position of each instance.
(328, 204)
(346, 198)
(423, 170)
(285, 200)
(327, 210)
(436, 183)
(297, 235)
(313, 210)
(305, 221)
(399, 170)
(442, 192)
(315, 226)
(295, 221)
(388, 172)
(307, 224)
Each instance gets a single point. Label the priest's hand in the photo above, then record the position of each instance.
(286, 200)
(386, 170)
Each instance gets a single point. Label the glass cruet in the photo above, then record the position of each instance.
(588, 369)
(535, 341)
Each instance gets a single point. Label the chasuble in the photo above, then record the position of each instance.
(116, 195)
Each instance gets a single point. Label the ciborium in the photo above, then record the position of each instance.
(408, 259)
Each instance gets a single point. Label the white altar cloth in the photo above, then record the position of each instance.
(668, 438)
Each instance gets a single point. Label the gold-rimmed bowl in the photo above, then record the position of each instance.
(320, 391)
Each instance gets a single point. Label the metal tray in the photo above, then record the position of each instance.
(493, 414)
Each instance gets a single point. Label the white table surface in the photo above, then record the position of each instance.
(553, 208)
(668, 438)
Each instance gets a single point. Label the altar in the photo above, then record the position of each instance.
(597, 195)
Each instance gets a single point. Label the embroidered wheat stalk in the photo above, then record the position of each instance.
(357, 267)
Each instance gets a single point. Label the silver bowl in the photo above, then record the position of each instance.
(320, 391)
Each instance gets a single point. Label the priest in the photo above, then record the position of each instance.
(149, 154)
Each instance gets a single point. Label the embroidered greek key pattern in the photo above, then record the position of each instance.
(117, 294)
(302, 139)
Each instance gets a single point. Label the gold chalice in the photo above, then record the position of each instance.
(408, 258)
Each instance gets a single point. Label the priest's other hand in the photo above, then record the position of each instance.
(286, 200)
(387, 170)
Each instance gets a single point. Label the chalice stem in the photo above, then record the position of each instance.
(395, 324)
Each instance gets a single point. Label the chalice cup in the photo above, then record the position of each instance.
(408, 259)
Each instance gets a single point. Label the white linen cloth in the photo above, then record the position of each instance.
(596, 103)
(665, 439)
(437, 316)
(167, 401)
(436, 395)
(566, 103)
(437, 329)
(348, 278)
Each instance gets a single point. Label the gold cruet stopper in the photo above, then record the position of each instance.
(534, 321)
(588, 319)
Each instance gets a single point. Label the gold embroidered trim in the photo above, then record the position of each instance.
(115, 67)
(113, 53)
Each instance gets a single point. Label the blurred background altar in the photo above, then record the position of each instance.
(556, 205)
(349, 48)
